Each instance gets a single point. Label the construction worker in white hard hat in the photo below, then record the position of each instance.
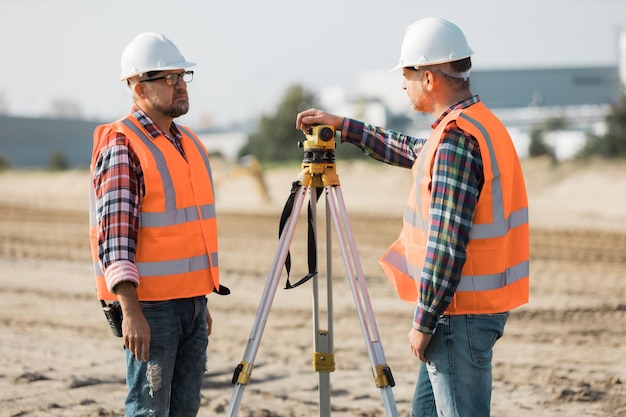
(153, 233)
(463, 253)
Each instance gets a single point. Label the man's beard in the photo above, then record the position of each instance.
(176, 109)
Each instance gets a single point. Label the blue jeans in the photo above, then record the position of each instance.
(456, 380)
(169, 384)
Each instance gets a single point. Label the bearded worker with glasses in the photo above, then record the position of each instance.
(153, 232)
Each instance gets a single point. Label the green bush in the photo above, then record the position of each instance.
(613, 143)
(538, 146)
(276, 139)
(4, 163)
(58, 162)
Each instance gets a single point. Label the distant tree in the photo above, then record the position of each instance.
(4, 163)
(613, 143)
(57, 161)
(538, 146)
(276, 139)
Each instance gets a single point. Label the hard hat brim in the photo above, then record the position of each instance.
(178, 65)
(435, 62)
(397, 67)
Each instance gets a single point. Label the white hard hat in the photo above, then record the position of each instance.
(431, 41)
(151, 51)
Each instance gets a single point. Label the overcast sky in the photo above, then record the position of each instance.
(248, 52)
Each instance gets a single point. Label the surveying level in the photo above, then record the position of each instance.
(319, 145)
(319, 174)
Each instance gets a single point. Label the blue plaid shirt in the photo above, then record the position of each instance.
(457, 179)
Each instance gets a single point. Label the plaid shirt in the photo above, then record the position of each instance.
(456, 183)
(119, 186)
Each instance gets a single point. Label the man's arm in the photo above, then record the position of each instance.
(135, 328)
(457, 179)
(116, 181)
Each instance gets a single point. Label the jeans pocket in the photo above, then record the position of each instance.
(483, 332)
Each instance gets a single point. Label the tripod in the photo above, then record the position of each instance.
(319, 174)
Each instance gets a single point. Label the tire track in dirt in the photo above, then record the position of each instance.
(597, 246)
(30, 232)
(248, 243)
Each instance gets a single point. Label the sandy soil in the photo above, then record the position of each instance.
(563, 354)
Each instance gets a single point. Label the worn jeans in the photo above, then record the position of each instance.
(169, 383)
(456, 380)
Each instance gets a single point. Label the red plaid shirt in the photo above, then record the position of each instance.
(118, 183)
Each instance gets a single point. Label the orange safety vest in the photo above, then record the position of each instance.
(495, 276)
(176, 252)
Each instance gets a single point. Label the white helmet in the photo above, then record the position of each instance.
(151, 51)
(431, 41)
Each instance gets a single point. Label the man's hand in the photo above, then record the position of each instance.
(135, 327)
(419, 341)
(209, 322)
(313, 117)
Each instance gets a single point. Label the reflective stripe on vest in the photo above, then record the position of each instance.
(478, 231)
(494, 281)
(162, 268)
(469, 282)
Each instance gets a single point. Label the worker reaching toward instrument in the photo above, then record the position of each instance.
(463, 253)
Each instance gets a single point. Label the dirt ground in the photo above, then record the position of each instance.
(563, 354)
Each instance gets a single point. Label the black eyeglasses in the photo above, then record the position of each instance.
(172, 79)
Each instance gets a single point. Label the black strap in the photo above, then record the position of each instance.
(312, 249)
(285, 216)
(222, 290)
